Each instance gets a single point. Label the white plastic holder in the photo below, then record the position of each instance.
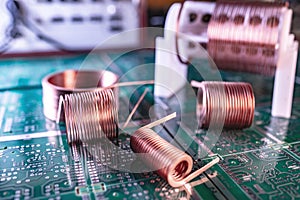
(285, 71)
(284, 82)
(168, 69)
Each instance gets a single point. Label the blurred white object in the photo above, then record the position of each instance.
(6, 24)
(50, 25)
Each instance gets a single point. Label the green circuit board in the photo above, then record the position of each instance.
(261, 162)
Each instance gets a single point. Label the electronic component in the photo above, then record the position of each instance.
(249, 41)
(170, 163)
(243, 36)
(226, 104)
(72, 81)
(90, 115)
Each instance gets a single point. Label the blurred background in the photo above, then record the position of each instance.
(38, 27)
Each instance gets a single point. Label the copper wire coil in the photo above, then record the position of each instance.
(227, 104)
(259, 59)
(73, 81)
(244, 36)
(257, 23)
(170, 163)
(90, 115)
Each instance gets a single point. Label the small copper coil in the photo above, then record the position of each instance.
(90, 115)
(172, 164)
(227, 104)
(73, 81)
(244, 36)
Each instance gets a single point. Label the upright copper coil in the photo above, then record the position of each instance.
(244, 36)
(230, 104)
(90, 115)
(171, 163)
(73, 81)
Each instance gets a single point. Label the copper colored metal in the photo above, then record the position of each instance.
(243, 57)
(227, 104)
(90, 115)
(244, 36)
(170, 163)
(73, 81)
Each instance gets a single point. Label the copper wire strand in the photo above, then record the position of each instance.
(160, 121)
(171, 163)
(135, 108)
(233, 102)
(188, 187)
(202, 180)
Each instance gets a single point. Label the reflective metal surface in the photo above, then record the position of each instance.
(73, 81)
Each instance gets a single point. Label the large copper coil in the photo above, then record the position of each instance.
(227, 104)
(243, 57)
(90, 115)
(73, 81)
(170, 163)
(252, 22)
(245, 36)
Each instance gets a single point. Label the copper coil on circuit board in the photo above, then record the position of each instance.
(73, 81)
(90, 115)
(245, 36)
(229, 104)
(171, 163)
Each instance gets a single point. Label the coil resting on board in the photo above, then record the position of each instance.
(227, 104)
(90, 115)
(73, 81)
(171, 163)
(244, 36)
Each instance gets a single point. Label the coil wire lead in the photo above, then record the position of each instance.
(244, 36)
(170, 163)
(90, 115)
(230, 104)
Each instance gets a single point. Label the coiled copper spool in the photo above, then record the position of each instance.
(230, 104)
(233, 56)
(90, 115)
(171, 163)
(244, 36)
(73, 81)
